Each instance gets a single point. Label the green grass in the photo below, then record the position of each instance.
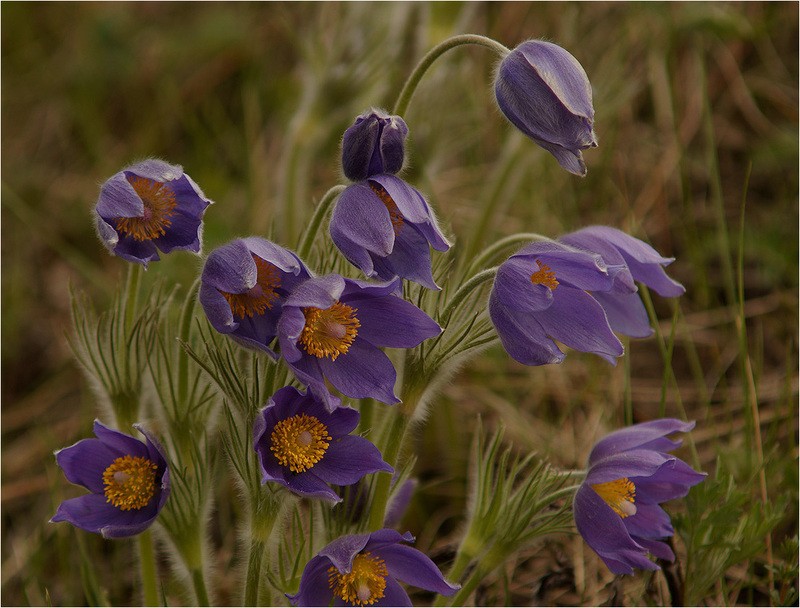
(697, 120)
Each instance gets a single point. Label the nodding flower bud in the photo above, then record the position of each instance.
(373, 144)
(545, 93)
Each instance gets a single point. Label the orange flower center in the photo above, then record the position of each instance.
(261, 296)
(159, 206)
(544, 276)
(329, 332)
(391, 206)
(364, 585)
(299, 442)
(619, 494)
(130, 482)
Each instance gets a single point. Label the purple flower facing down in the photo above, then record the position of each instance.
(539, 295)
(303, 446)
(243, 286)
(373, 144)
(364, 569)
(545, 93)
(150, 206)
(331, 328)
(128, 480)
(625, 311)
(616, 508)
(385, 227)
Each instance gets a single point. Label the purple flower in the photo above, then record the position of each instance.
(304, 447)
(243, 286)
(616, 508)
(545, 93)
(147, 206)
(373, 144)
(363, 570)
(624, 309)
(539, 295)
(385, 227)
(331, 328)
(128, 480)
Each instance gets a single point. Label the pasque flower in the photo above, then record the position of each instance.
(331, 328)
(373, 144)
(243, 286)
(539, 295)
(364, 569)
(616, 508)
(147, 207)
(624, 309)
(545, 93)
(128, 480)
(303, 446)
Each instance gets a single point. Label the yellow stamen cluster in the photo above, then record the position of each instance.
(130, 482)
(544, 276)
(329, 332)
(159, 206)
(364, 585)
(299, 442)
(619, 494)
(261, 296)
(391, 206)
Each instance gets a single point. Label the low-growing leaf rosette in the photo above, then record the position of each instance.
(304, 447)
(148, 207)
(364, 570)
(333, 328)
(128, 479)
(630, 473)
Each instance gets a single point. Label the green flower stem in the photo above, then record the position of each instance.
(397, 432)
(440, 49)
(310, 233)
(200, 587)
(466, 288)
(493, 558)
(488, 255)
(184, 330)
(131, 295)
(147, 562)
(261, 526)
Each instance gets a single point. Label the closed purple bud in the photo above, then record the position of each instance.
(373, 144)
(545, 93)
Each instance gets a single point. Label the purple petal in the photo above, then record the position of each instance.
(192, 200)
(370, 288)
(626, 313)
(649, 521)
(364, 371)
(123, 444)
(587, 240)
(139, 252)
(671, 481)
(522, 336)
(314, 589)
(409, 203)
(658, 549)
(514, 288)
(631, 463)
(290, 326)
(355, 254)
(411, 257)
(275, 254)
(393, 595)
(155, 169)
(308, 484)
(348, 459)
(358, 146)
(638, 436)
(412, 566)
(342, 551)
(320, 292)
(391, 321)
(217, 309)
(573, 267)
(398, 503)
(577, 320)
(183, 233)
(92, 513)
(361, 218)
(85, 462)
(118, 199)
(230, 268)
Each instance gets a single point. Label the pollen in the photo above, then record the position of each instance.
(261, 296)
(544, 276)
(619, 494)
(391, 206)
(329, 332)
(299, 442)
(130, 482)
(364, 585)
(159, 206)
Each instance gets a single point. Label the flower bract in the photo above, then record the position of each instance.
(148, 207)
(625, 311)
(303, 446)
(243, 286)
(545, 93)
(539, 295)
(373, 144)
(364, 570)
(630, 473)
(332, 328)
(128, 480)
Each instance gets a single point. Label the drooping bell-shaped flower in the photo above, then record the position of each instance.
(630, 473)
(545, 93)
(373, 144)
(147, 207)
(625, 311)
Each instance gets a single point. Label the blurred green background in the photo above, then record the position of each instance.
(697, 114)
